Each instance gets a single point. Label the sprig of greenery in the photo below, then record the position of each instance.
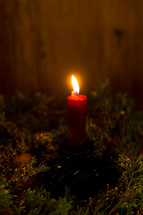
(111, 121)
(38, 201)
(127, 196)
(25, 170)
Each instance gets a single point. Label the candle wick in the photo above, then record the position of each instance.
(73, 93)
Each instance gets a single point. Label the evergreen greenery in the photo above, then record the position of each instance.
(31, 132)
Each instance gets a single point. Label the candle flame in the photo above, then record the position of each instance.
(75, 85)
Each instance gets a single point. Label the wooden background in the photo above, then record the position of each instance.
(42, 42)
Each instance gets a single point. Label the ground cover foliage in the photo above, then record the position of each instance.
(31, 132)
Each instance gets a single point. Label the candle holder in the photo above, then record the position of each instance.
(78, 169)
(84, 174)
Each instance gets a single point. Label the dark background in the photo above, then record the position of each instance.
(42, 42)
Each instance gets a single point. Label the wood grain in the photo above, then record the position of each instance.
(42, 42)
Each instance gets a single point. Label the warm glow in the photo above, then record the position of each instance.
(75, 85)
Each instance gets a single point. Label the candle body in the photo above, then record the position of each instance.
(76, 120)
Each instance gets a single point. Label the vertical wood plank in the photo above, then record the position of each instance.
(42, 41)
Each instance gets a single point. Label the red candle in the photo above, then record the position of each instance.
(76, 116)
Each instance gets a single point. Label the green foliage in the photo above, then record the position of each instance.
(111, 121)
(25, 170)
(38, 201)
(6, 198)
(37, 126)
(127, 196)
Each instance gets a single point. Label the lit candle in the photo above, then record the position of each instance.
(76, 116)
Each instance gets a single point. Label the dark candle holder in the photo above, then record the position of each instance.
(79, 170)
(82, 172)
